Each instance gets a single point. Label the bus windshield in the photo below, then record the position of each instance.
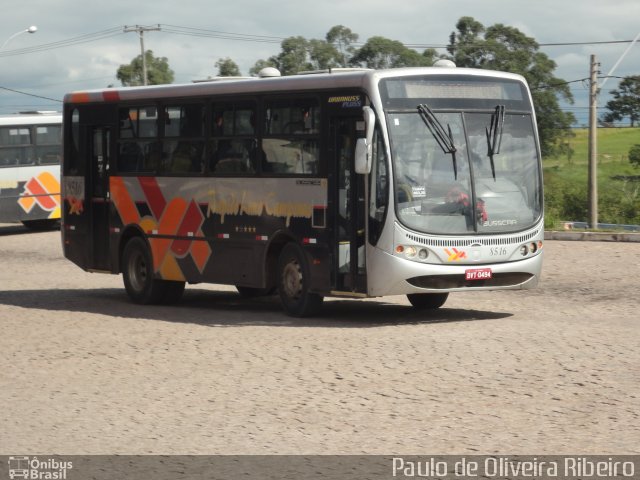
(489, 182)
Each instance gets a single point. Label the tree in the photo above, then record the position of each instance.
(381, 52)
(634, 155)
(299, 54)
(625, 102)
(342, 38)
(227, 68)
(504, 48)
(294, 56)
(323, 55)
(158, 71)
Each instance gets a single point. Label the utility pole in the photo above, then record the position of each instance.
(140, 29)
(593, 146)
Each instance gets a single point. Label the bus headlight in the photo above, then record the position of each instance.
(530, 248)
(412, 252)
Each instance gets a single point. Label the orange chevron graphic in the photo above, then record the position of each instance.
(43, 190)
(176, 217)
(456, 255)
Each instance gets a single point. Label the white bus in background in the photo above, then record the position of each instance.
(30, 151)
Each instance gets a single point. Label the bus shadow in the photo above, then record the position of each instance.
(19, 229)
(229, 309)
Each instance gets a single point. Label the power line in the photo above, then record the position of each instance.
(86, 38)
(201, 32)
(30, 94)
(555, 44)
(233, 36)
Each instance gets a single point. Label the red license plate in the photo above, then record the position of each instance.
(477, 274)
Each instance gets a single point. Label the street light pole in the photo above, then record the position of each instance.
(31, 29)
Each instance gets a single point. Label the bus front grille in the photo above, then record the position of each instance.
(466, 242)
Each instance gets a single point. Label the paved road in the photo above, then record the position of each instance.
(550, 371)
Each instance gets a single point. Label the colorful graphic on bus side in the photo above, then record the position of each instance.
(42, 190)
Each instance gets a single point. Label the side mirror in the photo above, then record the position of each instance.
(363, 152)
(363, 157)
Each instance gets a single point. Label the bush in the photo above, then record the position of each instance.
(634, 156)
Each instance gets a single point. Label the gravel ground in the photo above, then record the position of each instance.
(550, 371)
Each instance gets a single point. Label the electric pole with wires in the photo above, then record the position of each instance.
(140, 29)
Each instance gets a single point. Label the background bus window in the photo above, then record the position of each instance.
(15, 146)
(48, 144)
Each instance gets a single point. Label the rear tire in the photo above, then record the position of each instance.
(293, 283)
(427, 301)
(139, 280)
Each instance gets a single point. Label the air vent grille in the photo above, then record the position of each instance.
(466, 242)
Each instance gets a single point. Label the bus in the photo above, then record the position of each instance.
(360, 183)
(30, 150)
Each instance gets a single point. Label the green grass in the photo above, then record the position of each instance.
(566, 179)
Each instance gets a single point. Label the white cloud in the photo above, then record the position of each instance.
(94, 64)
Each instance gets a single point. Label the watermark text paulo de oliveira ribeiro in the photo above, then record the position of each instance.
(34, 468)
(538, 468)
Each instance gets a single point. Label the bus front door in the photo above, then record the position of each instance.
(349, 199)
(100, 159)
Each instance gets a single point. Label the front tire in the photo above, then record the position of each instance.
(293, 283)
(427, 301)
(139, 280)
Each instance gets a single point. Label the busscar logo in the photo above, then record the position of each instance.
(38, 469)
(347, 101)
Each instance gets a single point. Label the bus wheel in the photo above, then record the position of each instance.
(427, 301)
(293, 283)
(137, 273)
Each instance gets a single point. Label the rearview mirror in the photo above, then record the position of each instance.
(364, 145)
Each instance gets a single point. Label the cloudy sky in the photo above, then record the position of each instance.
(81, 43)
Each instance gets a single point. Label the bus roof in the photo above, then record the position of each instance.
(347, 78)
(29, 118)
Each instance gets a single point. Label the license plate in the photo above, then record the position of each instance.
(477, 274)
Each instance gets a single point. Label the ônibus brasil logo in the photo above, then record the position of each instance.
(38, 469)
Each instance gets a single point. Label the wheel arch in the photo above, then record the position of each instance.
(128, 233)
(276, 244)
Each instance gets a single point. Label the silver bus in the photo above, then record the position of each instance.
(358, 183)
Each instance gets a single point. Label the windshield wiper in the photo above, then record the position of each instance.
(443, 137)
(494, 135)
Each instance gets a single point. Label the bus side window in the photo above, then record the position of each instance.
(183, 143)
(139, 149)
(291, 140)
(234, 146)
(129, 157)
